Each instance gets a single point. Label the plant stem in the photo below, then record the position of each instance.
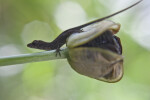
(33, 57)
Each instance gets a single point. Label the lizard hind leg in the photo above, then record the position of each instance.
(58, 52)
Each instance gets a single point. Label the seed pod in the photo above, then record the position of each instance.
(90, 59)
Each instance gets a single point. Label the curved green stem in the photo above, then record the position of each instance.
(33, 57)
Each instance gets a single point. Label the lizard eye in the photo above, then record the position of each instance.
(81, 29)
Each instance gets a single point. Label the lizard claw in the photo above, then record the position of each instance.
(58, 52)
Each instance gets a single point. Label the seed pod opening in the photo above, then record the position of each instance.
(91, 32)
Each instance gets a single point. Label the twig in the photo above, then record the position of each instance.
(33, 57)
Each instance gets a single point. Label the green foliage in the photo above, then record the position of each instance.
(36, 76)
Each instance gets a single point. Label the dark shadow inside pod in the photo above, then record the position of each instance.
(107, 40)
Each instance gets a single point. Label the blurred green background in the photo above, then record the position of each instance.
(22, 21)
